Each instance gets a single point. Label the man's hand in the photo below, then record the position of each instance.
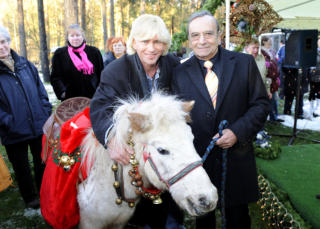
(227, 140)
(119, 154)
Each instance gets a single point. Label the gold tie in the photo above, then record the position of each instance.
(211, 82)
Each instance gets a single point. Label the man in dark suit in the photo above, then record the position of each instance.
(147, 67)
(241, 99)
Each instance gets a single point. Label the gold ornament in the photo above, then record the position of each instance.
(64, 160)
(114, 167)
(66, 168)
(116, 184)
(72, 161)
(131, 204)
(118, 201)
(134, 163)
(158, 200)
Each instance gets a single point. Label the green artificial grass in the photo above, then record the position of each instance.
(297, 172)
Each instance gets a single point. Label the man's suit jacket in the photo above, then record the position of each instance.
(242, 101)
(121, 79)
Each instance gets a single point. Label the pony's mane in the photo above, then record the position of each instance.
(160, 108)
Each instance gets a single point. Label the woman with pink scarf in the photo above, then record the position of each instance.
(76, 68)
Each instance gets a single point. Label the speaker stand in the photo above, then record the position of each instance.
(294, 132)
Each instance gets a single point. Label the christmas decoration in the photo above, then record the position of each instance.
(248, 18)
(273, 211)
(265, 148)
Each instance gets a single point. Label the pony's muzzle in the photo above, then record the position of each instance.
(201, 205)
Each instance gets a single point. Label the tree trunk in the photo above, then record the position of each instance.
(104, 24)
(172, 25)
(47, 26)
(43, 43)
(142, 7)
(122, 18)
(112, 18)
(83, 14)
(70, 12)
(22, 34)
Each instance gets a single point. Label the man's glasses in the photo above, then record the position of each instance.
(206, 35)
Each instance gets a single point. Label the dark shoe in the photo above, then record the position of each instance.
(279, 120)
(33, 204)
(318, 196)
(315, 115)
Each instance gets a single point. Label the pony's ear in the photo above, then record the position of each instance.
(187, 107)
(139, 122)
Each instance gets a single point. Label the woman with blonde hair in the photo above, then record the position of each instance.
(116, 48)
(76, 68)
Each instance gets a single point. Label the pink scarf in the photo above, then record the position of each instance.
(82, 64)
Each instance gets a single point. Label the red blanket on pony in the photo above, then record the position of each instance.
(58, 194)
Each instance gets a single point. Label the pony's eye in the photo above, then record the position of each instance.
(163, 151)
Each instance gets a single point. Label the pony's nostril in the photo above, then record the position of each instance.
(204, 202)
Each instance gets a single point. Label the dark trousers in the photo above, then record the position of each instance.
(155, 216)
(314, 90)
(18, 156)
(237, 217)
(288, 100)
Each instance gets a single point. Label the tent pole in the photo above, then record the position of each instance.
(228, 24)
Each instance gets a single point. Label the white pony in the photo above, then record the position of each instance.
(164, 156)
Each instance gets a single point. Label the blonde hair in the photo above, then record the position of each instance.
(75, 27)
(146, 27)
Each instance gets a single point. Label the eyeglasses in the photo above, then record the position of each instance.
(206, 35)
(4, 41)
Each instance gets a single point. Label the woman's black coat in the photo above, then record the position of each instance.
(66, 78)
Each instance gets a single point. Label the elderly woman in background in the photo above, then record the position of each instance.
(116, 48)
(274, 74)
(252, 48)
(24, 108)
(145, 68)
(76, 68)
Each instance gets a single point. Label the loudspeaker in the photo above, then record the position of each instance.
(301, 48)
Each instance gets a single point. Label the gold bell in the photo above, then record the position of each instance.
(118, 201)
(114, 167)
(64, 160)
(134, 162)
(158, 200)
(72, 161)
(116, 184)
(66, 168)
(131, 204)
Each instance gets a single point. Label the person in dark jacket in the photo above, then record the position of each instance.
(76, 68)
(314, 95)
(146, 67)
(24, 108)
(116, 48)
(227, 86)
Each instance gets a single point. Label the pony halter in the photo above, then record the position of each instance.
(149, 193)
